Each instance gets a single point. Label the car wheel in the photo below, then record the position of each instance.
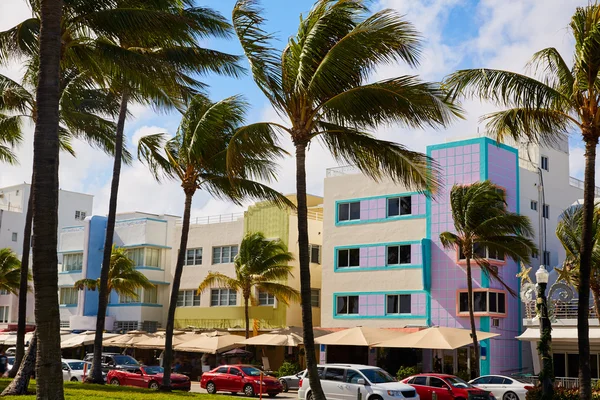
(153, 385)
(272, 394)
(73, 379)
(375, 397)
(249, 390)
(309, 396)
(284, 384)
(115, 382)
(211, 388)
(510, 396)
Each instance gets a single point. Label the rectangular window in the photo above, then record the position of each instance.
(193, 256)
(145, 257)
(223, 297)
(546, 261)
(4, 292)
(151, 295)
(265, 299)
(137, 256)
(534, 254)
(483, 302)
(315, 253)
(80, 215)
(126, 299)
(347, 305)
(544, 163)
(4, 316)
(150, 326)
(15, 236)
(73, 262)
(68, 296)
(482, 253)
(398, 304)
(533, 205)
(315, 297)
(127, 325)
(224, 254)
(399, 206)
(546, 211)
(152, 257)
(348, 258)
(188, 298)
(349, 211)
(397, 255)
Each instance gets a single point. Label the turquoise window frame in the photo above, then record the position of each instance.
(378, 220)
(386, 315)
(382, 268)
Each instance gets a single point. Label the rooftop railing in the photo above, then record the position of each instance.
(578, 183)
(562, 310)
(215, 219)
(340, 171)
(11, 207)
(314, 215)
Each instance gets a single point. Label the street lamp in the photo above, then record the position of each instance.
(547, 372)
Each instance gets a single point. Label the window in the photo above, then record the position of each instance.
(315, 297)
(399, 206)
(150, 326)
(534, 254)
(349, 211)
(223, 297)
(546, 261)
(224, 254)
(482, 253)
(73, 262)
(188, 298)
(348, 258)
(15, 236)
(315, 253)
(265, 299)
(222, 370)
(546, 211)
(193, 256)
(437, 382)
(80, 215)
(68, 296)
(334, 374)
(347, 305)
(127, 299)
(544, 163)
(533, 205)
(145, 257)
(419, 380)
(4, 292)
(151, 295)
(4, 314)
(398, 304)
(137, 256)
(483, 302)
(398, 255)
(127, 325)
(353, 376)
(153, 257)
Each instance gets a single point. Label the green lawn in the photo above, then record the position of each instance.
(76, 391)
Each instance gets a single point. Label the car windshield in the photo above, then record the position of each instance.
(375, 375)
(153, 370)
(125, 360)
(77, 365)
(251, 371)
(457, 382)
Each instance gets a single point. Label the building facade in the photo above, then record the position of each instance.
(384, 266)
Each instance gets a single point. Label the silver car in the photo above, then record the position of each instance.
(291, 382)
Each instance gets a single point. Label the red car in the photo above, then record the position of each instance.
(445, 387)
(240, 378)
(146, 377)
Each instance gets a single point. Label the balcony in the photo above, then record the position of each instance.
(562, 310)
(578, 183)
(214, 219)
(563, 382)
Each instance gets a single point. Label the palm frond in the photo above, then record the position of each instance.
(554, 69)
(14, 97)
(150, 152)
(239, 189)
(219, 280)
(19, 41)
(450, 240)
(10, 271)
(282, 293)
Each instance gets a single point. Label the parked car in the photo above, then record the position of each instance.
(73, 370)
(11, 351)
(10, 361)
(240, 378)
(503, 387)
(146, 377)
(291, 382)
(113, 360)
(343, 381)
(446, 387)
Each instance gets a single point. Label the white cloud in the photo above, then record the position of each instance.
(144, 131)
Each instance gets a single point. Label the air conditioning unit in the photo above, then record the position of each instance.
(495, 322)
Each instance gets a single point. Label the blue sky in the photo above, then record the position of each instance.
(456, 34)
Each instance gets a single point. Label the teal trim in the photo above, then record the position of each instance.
(379, 268)
(140, 219)
(78, 271)
(70, 251)
(149, 268)
(427, 259)
(159, 283)
(386, 316)
(484, 365)
(484, 175)
(378, 220)
(134, 305)
(159, 246)
(453, 144)
(73, 226)
(390, 267)
(67, 305)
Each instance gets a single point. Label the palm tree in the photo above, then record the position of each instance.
(319, 83)
(45, 204)
(564, 99)
(10, 271)
(197, 157)
(568, 231)
(260, 265)
(123, 278)
(483, 224)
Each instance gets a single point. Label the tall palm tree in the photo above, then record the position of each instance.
(483, 224)
(197, 157)
(10, 271)
(45, 204)
(568, 231)
(123, 278)
(564, 99)
(261, 264)
(319, 84)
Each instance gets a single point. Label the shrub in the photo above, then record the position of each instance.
(405, 372)
(288, 368)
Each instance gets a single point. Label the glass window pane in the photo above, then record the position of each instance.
(343, 258)
(354, 257)
(405, 303)
(315, 297)
(393, 256)
(493, 302)
(559, 364)
(234, 252)
(196, 299)
(594, 365)
(392, 304)
(406, 205)
(189, 259)
(232, 297)
(405, 252)
(198, 260)
(393, 207)
(343, 212)
(480, 301)
(352, 304)
(225, 254)
(463, 302)
(223, 296)
(501, 303)
(572, 365)
(355, 210)
(180, 299)
(214, 297)
(342, 305)
(315, 254)
(216, 255)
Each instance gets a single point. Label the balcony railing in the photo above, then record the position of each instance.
(340, 171)
(578, 183)
(215, 219)
(11, 207)
(314, 215)
(562, 310)
(563, 382)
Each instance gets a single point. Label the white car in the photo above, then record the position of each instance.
(73, 370)
(343, 382)
(503, 387)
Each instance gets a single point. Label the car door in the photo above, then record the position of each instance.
(137, 377)
(294, 383)
(66, 372)
(481, 382)
(420, 385)
(351, 386)
(221, 378)
(496, 386)
(235, 379)
(333, 383)
(440, 390)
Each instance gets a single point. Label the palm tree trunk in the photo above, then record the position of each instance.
(45, 205)
(247, 317)
(23, 289)
(585, 269)
(20, 384)
(475, 368)
(307, 327)
(185, 229)
(95, 375)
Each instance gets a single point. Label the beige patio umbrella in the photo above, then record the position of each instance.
(290, 336)
(83, 339)
(127, 339)
(438, 337)
(359, 336)
(212, 343)
(158, 340)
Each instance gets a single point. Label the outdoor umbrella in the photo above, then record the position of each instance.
(158, 341)
(209, 343)
(128, 339)
(290, 336)
(10, 339)
(237, 353)
(441, 337)
(83, 339)
(359, 336)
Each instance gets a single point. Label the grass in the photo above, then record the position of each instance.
(77, 391)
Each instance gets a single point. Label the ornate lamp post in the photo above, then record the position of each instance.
(547, 371)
